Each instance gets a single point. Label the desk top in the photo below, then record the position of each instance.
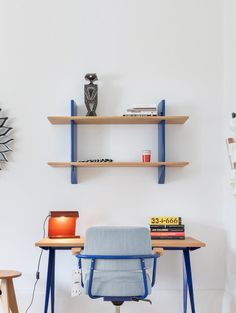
(188, 242)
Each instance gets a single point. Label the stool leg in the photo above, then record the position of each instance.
(4, 296)
(12, 296)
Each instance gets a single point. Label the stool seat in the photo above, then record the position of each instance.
(5, 274)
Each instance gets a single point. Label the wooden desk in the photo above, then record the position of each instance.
(188, 242)
(186, 245)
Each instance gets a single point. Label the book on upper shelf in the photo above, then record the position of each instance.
(140, 114)
(143, 108)
(141, 111)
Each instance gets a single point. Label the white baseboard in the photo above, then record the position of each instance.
(229, 302)
(164, 301)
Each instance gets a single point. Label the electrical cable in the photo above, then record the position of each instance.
(38, 267)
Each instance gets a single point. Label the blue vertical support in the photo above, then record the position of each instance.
(189, 278)
(73, 128)
(185, 287)
(161, 143)
(53, 283)
(50, 281)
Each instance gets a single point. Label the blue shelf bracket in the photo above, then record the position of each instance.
(161, 143)
(73, 132)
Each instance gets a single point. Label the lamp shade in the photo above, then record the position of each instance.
(62, 224)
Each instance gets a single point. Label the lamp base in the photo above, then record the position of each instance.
(64, 237)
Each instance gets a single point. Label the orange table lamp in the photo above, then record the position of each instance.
(62, 224)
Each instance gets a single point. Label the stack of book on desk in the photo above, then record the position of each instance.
(141, 111)
(166, 227)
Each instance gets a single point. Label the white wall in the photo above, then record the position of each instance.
(229, 304)
(142, 51)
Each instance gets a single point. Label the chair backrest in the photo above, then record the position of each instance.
(107, 240)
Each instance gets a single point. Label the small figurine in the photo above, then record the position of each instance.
(91, 94)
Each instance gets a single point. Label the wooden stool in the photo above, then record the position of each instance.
(7, 292)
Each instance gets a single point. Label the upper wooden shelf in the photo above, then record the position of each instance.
(117, 119)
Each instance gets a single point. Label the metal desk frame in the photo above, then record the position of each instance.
(187, 276)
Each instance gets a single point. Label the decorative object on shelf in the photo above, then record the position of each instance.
(97, 160)
(146, 155)
(91, 94)
(62, 224)
(4, 139)
(141, 111)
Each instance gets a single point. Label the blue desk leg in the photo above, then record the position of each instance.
(53, 283)
(185, 287)
(189, 278)
(50, 279)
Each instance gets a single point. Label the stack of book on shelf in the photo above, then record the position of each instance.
(166, 227)
(141, 111)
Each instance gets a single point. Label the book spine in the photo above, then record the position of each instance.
(165, 220)
(134, 114)
(166, 234)
(142, 111)
(169, 228)
(168, 238)
(166, 226)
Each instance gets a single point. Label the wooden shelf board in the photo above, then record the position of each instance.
(117, 164)
(117, 119)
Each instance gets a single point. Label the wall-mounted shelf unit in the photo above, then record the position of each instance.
(161, 120)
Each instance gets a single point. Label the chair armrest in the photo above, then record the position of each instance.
(117, 257)
(159, 251)
(75, 251)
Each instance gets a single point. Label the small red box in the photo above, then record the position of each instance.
(146, 156)
(62, 224)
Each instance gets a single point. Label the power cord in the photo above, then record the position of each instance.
(38, 267)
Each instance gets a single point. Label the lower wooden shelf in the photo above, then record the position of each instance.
(117, 164)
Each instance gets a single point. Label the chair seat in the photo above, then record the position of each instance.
(117, 284)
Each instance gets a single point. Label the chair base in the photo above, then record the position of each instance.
(117, 305)
(117, 309)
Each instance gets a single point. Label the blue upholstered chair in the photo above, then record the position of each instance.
(117, 264)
